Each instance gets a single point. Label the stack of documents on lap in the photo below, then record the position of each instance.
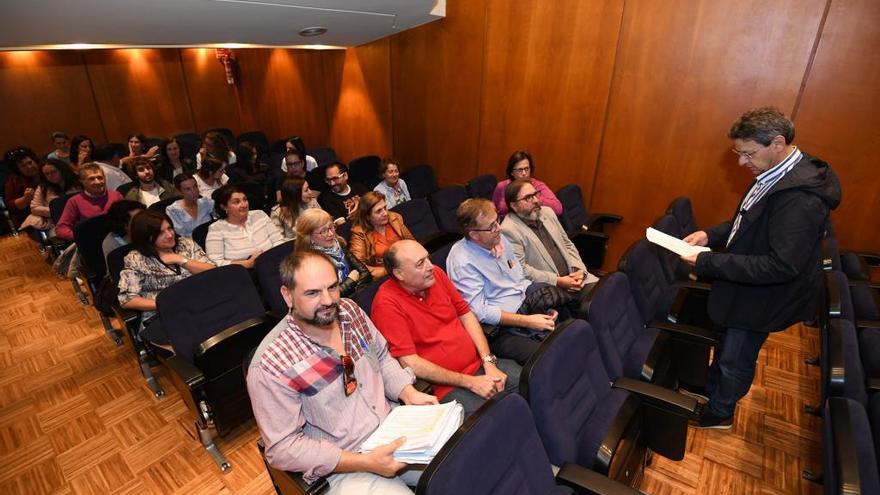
(673, 244)
(426, 429)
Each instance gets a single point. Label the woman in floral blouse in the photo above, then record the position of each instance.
(159, 260)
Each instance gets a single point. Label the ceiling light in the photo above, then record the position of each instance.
(312, 31)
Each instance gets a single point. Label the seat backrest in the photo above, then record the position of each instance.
(469, 462)
(88, 236)
(267, 268)
(116, 261)
(365, 170)
(574, 211)
(565, 382)
(227, 134)
(365, 295)
(444, 203)
(203, 305)
(420, 180)
(682, 211)
(839, 304)
(149, 142)
(438, 257)
(482, 186)
(189, 143)
(163, 203)
(344, 230)
(849, 457)
(842, 371)
(323, 156)
(56, 206)
(615, 320)
(315, 178)
(200, 233)
(650, 288)
(124, 188)
(256, 138)
(673, 266)
(418, 218)
(278, 146)
(256, 194)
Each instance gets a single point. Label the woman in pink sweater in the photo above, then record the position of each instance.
(521, 166)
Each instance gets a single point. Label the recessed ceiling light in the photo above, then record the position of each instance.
(312, 31)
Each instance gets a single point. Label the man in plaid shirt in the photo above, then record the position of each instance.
(323, 380)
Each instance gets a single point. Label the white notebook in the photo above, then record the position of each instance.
(426, 429)
(673, 244)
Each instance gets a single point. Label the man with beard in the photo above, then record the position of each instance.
(341, 201)
(323, 380)
(149, 189)
(541, 245)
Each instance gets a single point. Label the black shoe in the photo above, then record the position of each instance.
(709, 421)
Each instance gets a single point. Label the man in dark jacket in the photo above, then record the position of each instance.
(764, 262)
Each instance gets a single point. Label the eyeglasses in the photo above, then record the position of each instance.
(331, 229)
(333, 179)
(745, 154)
(349, 382)
(522, 169)
(493, 227)
(528, 197)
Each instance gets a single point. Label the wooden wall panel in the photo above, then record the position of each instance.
(682, 76)
(213, 101)
(282, 93)
(839, 116)
(359, 100)
(42, 92)
(435, 90)
(139, 90)
(545, 86)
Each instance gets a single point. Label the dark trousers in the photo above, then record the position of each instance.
(154, 332)
(515, 346)
(733, 370)
(470, 401)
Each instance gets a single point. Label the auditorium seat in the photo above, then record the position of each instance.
(256, 138)
(227, 134)
(88, 236)
(482, 186)
(323, 156)
(498, 450)
(420, 180)
(674, 268)
(658, 352)
(849, 454)
(365, 170)
(587, 418)
(420, 221)
(164, 203)
(586, 230)
(365, 295)
(200, 233)
(212, 320)
(124, 188)
(268, 276)
(444, 203)
(683, 212)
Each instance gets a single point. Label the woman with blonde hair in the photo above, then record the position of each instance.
(375, 229)
(316, 231)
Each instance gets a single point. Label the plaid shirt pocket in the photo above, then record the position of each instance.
(312, 374)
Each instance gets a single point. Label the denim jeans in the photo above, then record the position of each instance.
(733, 370)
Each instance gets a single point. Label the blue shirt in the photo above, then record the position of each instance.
(183, 223)
(392, 197)
(490, 285)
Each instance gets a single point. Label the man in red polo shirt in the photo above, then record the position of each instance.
(431, 329)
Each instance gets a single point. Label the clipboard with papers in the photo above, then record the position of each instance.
(426, 429)
(673, 244)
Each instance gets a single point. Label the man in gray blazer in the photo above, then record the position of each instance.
(540, 243)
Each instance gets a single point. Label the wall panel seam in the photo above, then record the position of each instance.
(82, 57)
(809, 67)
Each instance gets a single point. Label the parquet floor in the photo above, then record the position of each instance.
(76, 417)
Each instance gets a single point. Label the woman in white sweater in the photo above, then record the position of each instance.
(240, 235)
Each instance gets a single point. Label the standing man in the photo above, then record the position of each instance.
(323, 380)
(765, 260)
(541, 245)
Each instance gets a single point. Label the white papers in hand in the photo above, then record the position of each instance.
(673, 244)
(426, 429)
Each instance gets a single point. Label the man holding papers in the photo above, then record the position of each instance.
(765, 260)
(323, 380)
(431, 329)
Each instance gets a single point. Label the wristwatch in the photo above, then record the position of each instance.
(490, 358)
(184, 262)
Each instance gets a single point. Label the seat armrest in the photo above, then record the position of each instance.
(186, 371)
(867, 324)
(872, 259)
(659, 397)
(423, 386)
(694, 285)
(583, 480)
(686, 332)
(872, 384)
(598, 220)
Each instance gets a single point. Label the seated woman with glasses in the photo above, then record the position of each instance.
(56, 180)
(375, 229)
(159, 260)
(241, 235)
(521, 166)
(296, 197)
(316, 231)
